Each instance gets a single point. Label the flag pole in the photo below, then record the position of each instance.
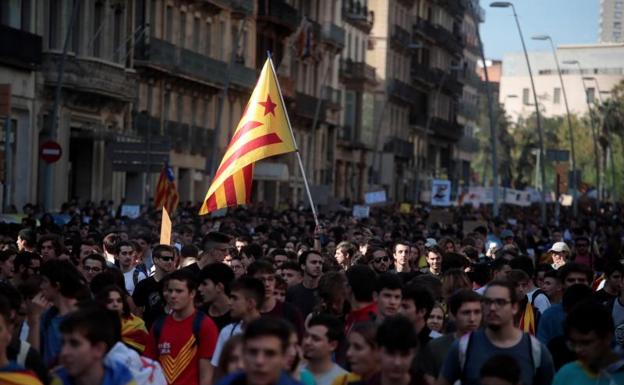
(303, 173)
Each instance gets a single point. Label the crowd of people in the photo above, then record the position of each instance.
(266, 297)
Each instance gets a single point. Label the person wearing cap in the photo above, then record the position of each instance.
(508, 237)
(559, 252)
(214, 249)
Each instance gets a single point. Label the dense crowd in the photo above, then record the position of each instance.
(267, 297)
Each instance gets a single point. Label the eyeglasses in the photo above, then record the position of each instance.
(380, 259)
(166, 259)
(499, 302)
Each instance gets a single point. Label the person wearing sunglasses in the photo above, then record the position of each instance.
(378, 259)
(147, 295)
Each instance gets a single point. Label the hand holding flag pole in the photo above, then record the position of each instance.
(263, 131)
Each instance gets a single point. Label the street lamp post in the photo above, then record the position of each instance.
(540, 129)
(570, 130)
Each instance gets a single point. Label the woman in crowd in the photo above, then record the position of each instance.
(362, 354)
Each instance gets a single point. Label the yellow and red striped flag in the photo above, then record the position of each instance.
(263, 131)
(166, 190)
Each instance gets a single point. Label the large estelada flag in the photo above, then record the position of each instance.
(263, 131)
(166, 191)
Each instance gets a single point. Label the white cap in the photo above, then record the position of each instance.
(559, 247)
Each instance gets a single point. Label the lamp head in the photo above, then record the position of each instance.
(573, 62)
(541, 37)
(500, 4)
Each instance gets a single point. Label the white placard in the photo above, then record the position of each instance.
(361, 211)
(440, 192)
(373, 197)
(130, 211)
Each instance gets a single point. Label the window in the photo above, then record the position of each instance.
(220, 41)
(525, 96)
(196, 26)
(117, 36)
(591, 94)
(152, 19)
(182, 35)
(53, 23)
(349, 114)
(98, 26)
(207, 47)
(180, 107)
(75, 38)
(557, 96)
(169, 24)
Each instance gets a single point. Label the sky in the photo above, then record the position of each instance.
(566, 21)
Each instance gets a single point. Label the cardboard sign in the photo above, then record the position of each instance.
(165, 228)
(130, 211)
(373, 197)
(405, 208)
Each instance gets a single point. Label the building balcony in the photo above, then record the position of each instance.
(357, 72)
(468, 110)
(452, 85)
(243, 77)
(417, 119)
(345, 133)
(424, 74)
(201, 139)
(91, 75)
(166, 56)
(402, 91)
(401, 148)
(425, 28)
(400, 37)
(446, 129)
(333, 35)
(278, 13)
(287, 85)
(468, 144)
(332, 98)
(305, 107)
(451, 40)
(357, 14)
(20, 49)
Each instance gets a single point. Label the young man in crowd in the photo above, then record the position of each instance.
(11, 372)
(110, 248)
(126, 258)
(401, 257)
(500, 336)
(61, 287)
(398, 345)
(292, 273)
(434, 261)
(389, 294)
(362, 282)
(416, 305)
(536, 297)
(589, 330)
(613, 273)
(265, 272)
(378, 259)
(303, 296)
(551, 322)
(265, 352)
(583, 253)
(92, 265)
(465, 307)
(247, 297)
(214, 249)
(214, 288)
(323, 334)
(183, 342)
(88, 335)
(552, 287)
(27, 241)
(50, 247)
(148, 295)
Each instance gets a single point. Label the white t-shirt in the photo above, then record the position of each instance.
(542, 303)
(129, 279)
(224, 335)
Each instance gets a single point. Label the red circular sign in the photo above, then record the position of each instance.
(50, 151)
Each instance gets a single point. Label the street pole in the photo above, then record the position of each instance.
(540, 129)
(488, 92)
(570, 130)
(48, 177)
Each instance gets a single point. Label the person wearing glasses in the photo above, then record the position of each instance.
(147, 295)
(92, 265)
(500, 336)
(378, 259)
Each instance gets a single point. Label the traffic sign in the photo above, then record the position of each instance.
(50, 151)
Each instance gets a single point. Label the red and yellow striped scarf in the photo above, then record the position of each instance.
(527, 320)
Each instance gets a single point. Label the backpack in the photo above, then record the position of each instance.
(464, 348)
(197, 322)
(135, 277)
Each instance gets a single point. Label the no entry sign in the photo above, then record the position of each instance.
(50, 151)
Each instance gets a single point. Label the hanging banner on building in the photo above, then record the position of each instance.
(440, 192)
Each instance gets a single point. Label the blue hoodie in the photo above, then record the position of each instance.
(114, 374)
